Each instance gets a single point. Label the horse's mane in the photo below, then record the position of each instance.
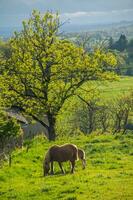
(81, 152)
(65, 145)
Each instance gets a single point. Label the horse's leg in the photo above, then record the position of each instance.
(52, 168)
(83, 163)
(60, 165)
(72, 165)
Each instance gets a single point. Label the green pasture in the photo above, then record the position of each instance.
(108, 175)
(117, 88)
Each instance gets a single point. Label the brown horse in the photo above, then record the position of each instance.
(66, 152)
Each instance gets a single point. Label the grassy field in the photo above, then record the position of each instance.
(108, 92)
(108, 176)
(116, 88)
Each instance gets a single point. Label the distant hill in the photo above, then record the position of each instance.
(94, 27)
(100, 31)
(112, 29)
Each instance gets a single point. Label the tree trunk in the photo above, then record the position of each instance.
(51, 127)
(118, 124)
(125, 121)
(91, 120)
(10, 159)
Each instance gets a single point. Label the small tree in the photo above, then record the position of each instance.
(10, 130)
(110, 43)
(130, 51)
(104, 117)
(121, 110)
(121, 44)
(91, 101)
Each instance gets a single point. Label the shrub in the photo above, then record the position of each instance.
(9, 129)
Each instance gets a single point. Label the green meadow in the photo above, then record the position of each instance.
(117, 88)
(108, 175)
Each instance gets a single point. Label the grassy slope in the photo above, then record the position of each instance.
(108, 176)
(109, 91)
(116, 88)
(109, 173)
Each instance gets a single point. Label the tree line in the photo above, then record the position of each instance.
(91, 114)
(125, 49)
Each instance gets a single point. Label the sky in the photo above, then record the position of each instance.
(12, 12)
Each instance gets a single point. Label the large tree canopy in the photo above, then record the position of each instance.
(45, 70)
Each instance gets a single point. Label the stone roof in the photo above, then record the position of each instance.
(17, 115)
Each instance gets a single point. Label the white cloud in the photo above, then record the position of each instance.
(29, 2)
(96, 13)
(75, 14)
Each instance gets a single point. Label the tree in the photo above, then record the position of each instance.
(110, 43)
(104, 117)
(121, 44)
(9, 129)
(130, 52)
(84, 41)
(44, 71)
(121, 111)
(91, 109)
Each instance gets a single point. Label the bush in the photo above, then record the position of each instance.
(9, 130)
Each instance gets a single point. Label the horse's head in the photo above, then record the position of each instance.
(46, 168)
(46, 164)
(81, 155)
